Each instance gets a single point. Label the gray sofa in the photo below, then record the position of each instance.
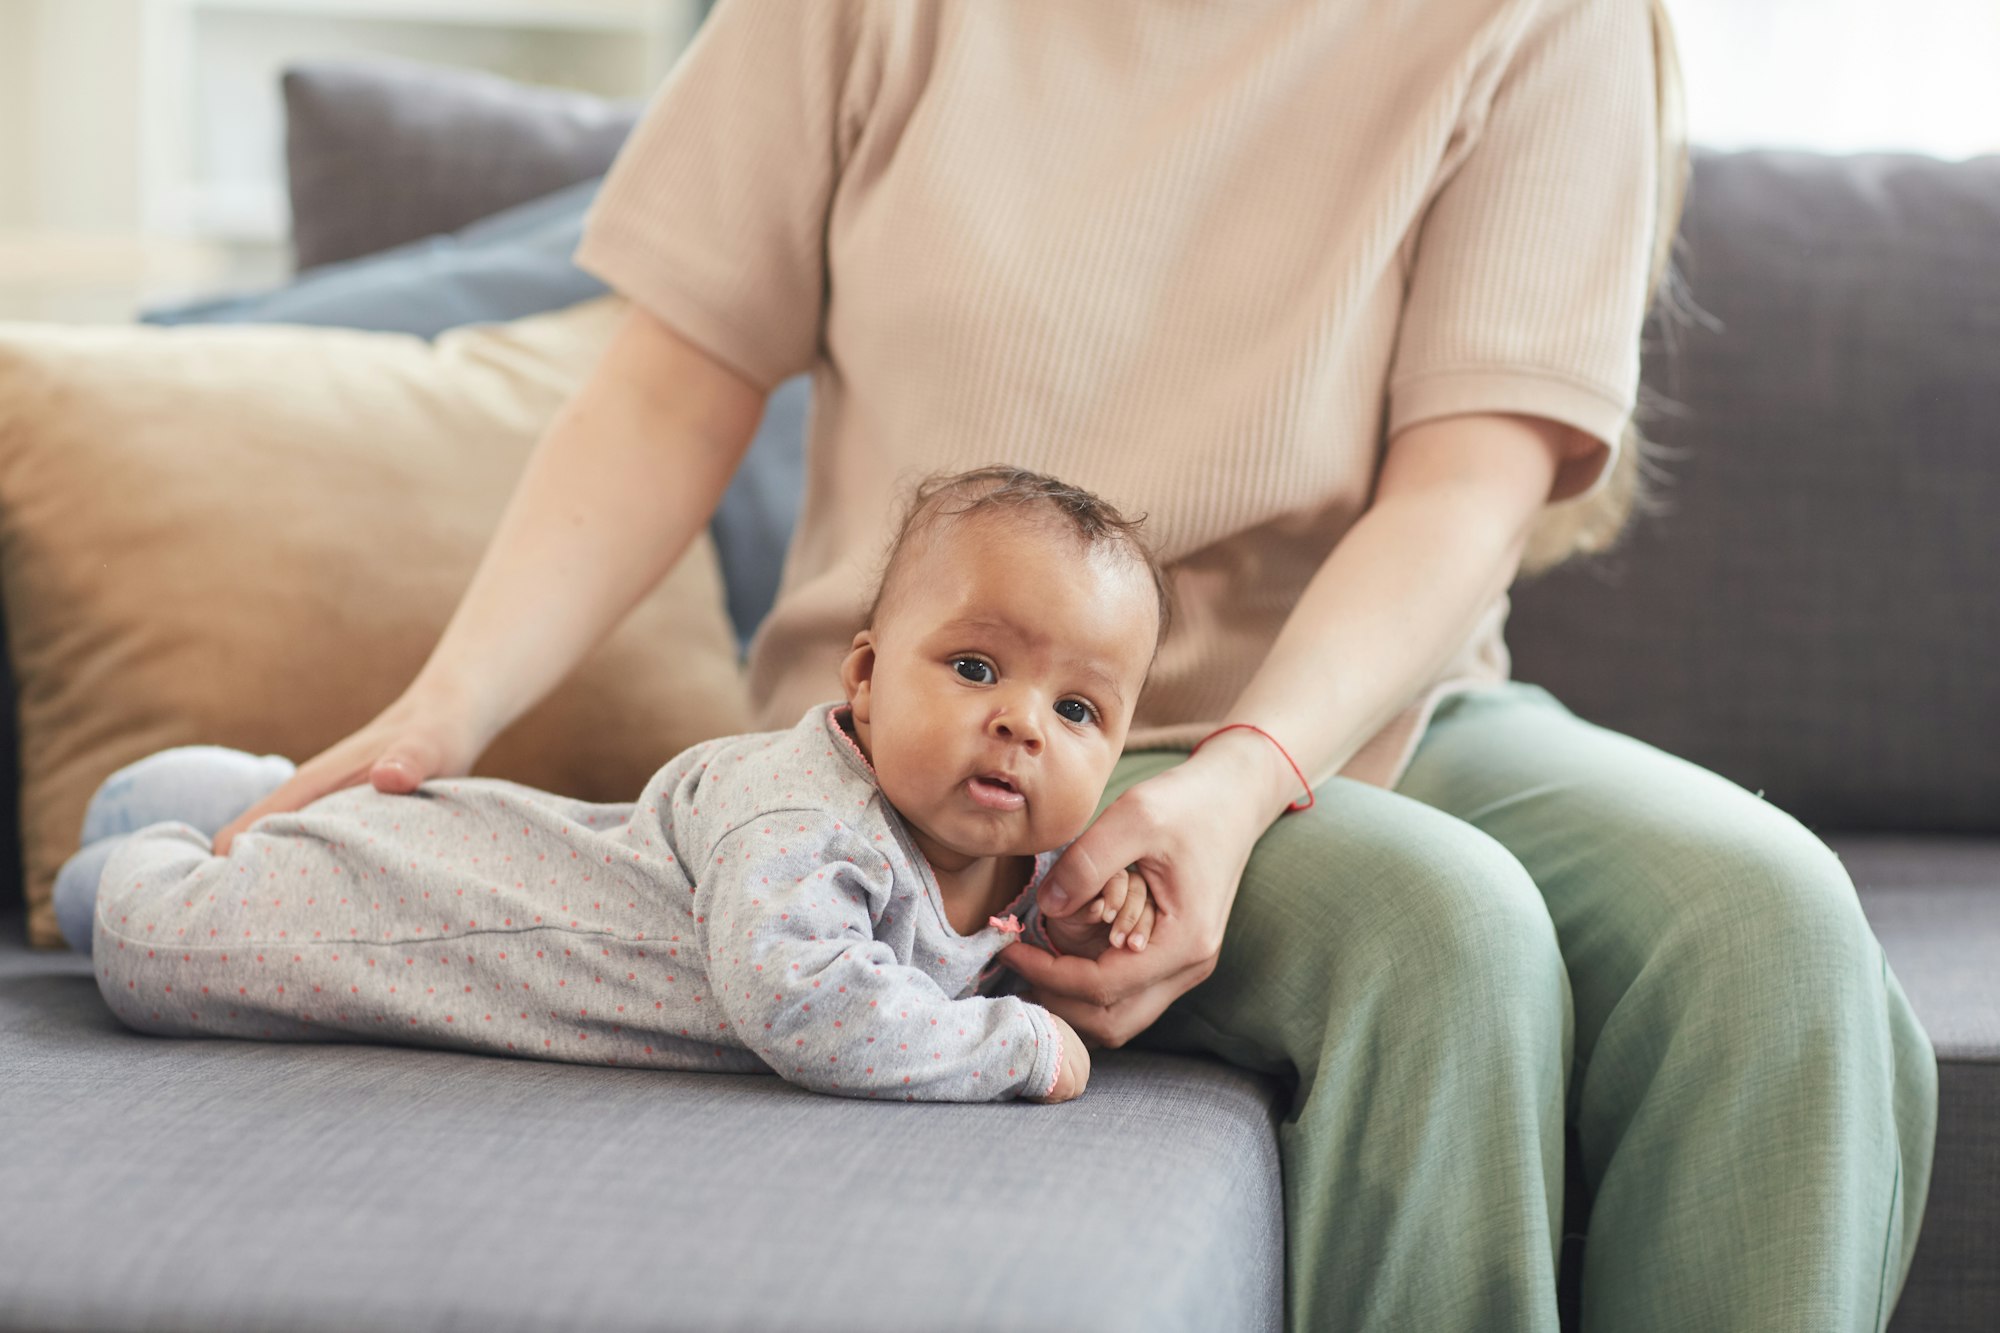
(1814, 617)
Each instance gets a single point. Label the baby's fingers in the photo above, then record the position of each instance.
(1144, 930)
(1112, 897)
(1134, 903)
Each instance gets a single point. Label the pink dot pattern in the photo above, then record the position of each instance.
(758, 908)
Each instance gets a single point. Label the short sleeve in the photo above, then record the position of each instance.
(713, 215)
(1527, 290)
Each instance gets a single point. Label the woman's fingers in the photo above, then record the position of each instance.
(300, 790)
(399, 770)
(1099, 980)
(1118, 838)
(1133, 1015)
(1101, 906)
(405, 745)
(227, 833)
(398, 774)
(1116, 1023)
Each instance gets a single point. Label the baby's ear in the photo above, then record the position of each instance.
(857, 673)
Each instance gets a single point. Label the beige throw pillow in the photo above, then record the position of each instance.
(254, 535)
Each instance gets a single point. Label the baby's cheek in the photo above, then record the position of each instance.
(1065, 818)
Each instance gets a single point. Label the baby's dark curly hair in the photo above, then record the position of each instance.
(999, 488)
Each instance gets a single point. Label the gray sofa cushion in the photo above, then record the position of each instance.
(229, 1185)
(438, 148)
(240, 1185)
(1934, 902)
(1815, 617)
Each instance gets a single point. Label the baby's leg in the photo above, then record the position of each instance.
(187, 943)
(202, 786)
(474, 914)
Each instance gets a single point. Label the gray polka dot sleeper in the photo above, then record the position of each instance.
(760, 907)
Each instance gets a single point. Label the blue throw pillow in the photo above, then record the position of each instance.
(508, 266)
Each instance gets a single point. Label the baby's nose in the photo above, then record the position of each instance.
(1014, 725)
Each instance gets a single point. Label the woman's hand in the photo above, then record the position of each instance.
(1075, 1072)
(1188, 832)
(1122, 913)
(417, 737)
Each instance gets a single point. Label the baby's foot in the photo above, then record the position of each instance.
(76, 891)
(205, 786)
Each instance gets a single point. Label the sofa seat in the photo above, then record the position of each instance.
(228, 1185)
(1934, 902)
(231, 1185)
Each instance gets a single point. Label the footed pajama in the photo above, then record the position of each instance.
(758, 907)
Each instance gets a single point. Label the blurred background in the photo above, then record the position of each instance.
(142, 158)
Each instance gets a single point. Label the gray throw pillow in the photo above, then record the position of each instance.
(382, 151)
(475, 186)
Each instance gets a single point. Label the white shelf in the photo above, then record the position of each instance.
(164, 119)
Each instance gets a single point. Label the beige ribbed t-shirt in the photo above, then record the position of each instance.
(1202, 257)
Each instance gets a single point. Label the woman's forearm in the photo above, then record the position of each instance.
(625, 477)
(1396, 598)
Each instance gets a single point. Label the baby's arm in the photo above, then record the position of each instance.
(806, 985)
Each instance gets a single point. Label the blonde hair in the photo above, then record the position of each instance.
(1593, 524)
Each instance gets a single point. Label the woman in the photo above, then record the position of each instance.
(1346, 297)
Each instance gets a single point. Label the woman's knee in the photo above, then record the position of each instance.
(1765, 931)
(1422, 918)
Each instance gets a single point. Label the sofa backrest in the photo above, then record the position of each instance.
(1815, 614)
(1813, 611)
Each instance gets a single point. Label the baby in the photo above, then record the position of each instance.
(825, 902)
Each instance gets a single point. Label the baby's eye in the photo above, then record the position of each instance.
(1083, 715)
(972, 668)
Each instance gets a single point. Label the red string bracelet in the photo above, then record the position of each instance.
(1295, 806)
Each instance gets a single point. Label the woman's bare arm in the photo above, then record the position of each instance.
(625, 477)
(1454, 503)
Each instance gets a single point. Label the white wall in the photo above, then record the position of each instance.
(141, 141)
(84, 121)
(144, 116)
(1842, 76)
(17, 72)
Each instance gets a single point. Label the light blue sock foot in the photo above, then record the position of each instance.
(202, 785)
(76, 891)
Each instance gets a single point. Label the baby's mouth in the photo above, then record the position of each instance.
(995, 792)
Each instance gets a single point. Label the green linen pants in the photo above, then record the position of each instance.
(1548, 924)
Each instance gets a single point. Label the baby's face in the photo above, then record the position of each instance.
(994, 694)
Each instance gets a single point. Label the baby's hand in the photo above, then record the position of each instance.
(1075, 1071)
(1120, 913)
